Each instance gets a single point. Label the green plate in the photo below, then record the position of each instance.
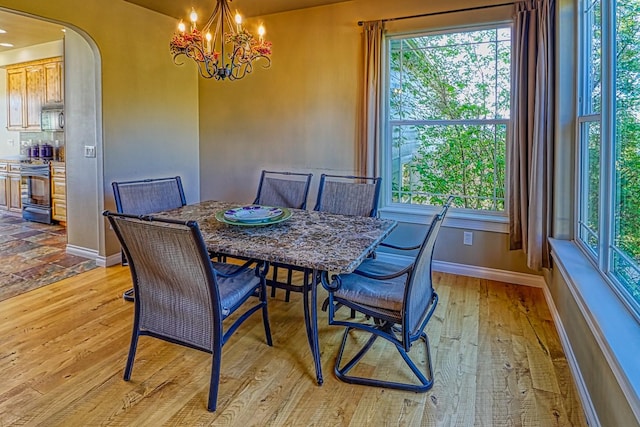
(286, 214)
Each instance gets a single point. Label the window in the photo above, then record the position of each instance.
(609, 142)
(447, 118)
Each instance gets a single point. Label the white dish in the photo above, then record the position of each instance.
(286, 214)
(252, 213)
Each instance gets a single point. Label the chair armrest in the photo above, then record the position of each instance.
(402, 248)
(330, 286)
(391, 275)
(260, 269)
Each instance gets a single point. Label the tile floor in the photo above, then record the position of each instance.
(33, 255)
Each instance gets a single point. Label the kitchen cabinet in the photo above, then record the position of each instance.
(29, 86)
(16, 92)
(34, 95)
(53, 82)
(10, 190)
(59, 192)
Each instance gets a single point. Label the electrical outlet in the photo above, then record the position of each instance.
(89, 150)
(468, 238)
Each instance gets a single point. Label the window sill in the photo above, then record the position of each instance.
(456, 218)
(615, 329)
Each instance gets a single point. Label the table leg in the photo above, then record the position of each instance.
(311, 321)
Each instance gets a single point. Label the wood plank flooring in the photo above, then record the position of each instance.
(497, 361)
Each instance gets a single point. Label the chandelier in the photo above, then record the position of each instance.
(229, 52)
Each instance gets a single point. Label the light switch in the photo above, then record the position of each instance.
(89, 150)
(468, 238)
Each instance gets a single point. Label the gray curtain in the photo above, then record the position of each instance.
(531, 153)
(369, 117)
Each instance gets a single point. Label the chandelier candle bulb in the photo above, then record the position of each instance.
(230, 50)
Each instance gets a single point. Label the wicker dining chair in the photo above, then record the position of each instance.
(181, 295)
(397, 303)
(145, 196)
(348, 195)
(283, 189)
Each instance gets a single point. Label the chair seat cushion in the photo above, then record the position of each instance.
(383, 294)
(234, 289)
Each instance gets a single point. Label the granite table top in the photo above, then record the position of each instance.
(309, 239)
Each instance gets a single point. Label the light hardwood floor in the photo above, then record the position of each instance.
(497, 360)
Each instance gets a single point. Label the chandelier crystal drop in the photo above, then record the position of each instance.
(230, 52)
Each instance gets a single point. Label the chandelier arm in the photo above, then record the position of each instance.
(267, 59)
(175, 58)
(218, 34)
(210, 67)
(228, 16)
(212, 17)
(244, 70)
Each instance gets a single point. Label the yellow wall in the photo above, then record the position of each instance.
(147, 115)
(155, 118)
(301, 114)
(298, 115)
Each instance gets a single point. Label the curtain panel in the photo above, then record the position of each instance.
(532, 138)
(371, 102)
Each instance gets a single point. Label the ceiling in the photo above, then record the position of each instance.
(22, 31)
(180, 9)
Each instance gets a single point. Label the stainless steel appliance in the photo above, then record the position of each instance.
(36, 192)
(52, 117)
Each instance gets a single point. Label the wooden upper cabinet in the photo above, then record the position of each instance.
(16, 90)
(29, 86)
(54, 89)
(35, 95)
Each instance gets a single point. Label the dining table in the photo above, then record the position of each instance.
(319, 243)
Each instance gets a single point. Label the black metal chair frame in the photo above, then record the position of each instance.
(387, 324)
(128, 295)
(213, 277)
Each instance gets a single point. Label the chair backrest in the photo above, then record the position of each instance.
(283, 189)
(419, 290)
(174, 281)
(348, 195)
(147, 196)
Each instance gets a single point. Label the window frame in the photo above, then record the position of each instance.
(471, 219)
(602, 259)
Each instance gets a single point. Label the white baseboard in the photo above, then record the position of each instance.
(110, 260)
(82, 252)
(490, 274)
(101, 261)
(472, 271)
(585, 398)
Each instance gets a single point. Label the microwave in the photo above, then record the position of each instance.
(52, 117)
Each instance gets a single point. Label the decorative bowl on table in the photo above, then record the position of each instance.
(253, 215)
